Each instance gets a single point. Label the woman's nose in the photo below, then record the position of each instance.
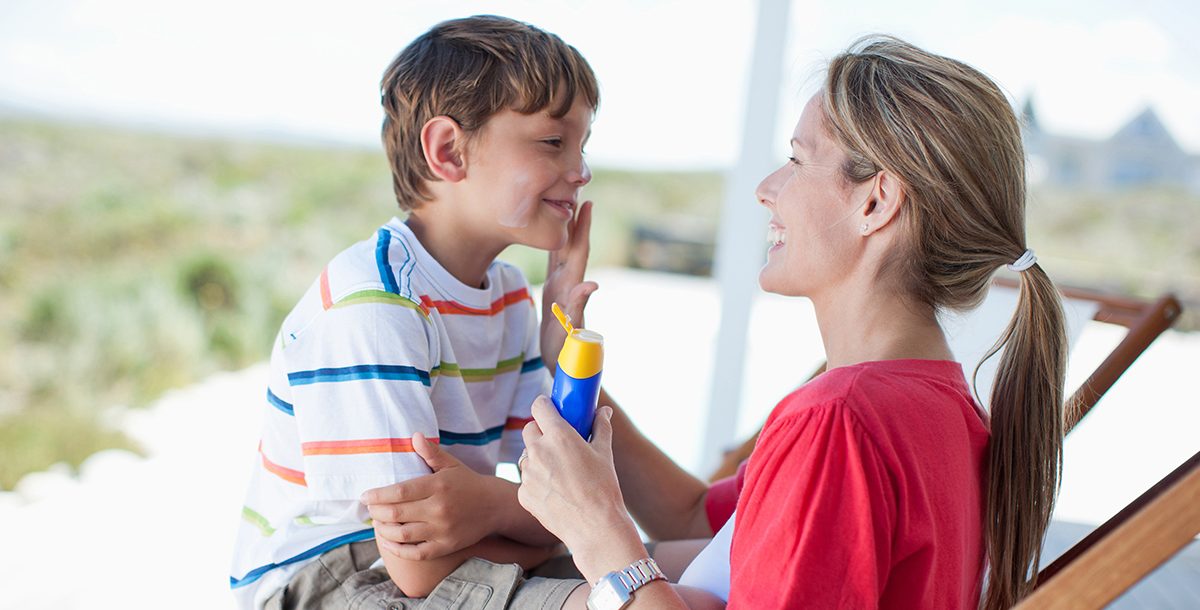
(768, 188)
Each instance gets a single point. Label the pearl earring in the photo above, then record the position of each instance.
(864, 228)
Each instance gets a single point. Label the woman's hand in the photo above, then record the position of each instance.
(565, 286)
(571, 487)
(434, 515)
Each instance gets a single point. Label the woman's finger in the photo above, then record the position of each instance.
(547, 417)
(531, 433)
(602, 430)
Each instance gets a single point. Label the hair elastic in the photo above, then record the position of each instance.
(1027, 260)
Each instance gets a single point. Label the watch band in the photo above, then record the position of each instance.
(615, 590)
(640, 573)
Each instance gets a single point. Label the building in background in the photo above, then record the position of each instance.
(1141, 153)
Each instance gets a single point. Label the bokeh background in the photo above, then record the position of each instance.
(173, 176)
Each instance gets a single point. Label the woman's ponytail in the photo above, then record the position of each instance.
(1025, 452)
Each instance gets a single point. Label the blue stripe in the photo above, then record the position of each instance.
(532, 365)
(362, 371)
(381, 260)
(409, 260)
(278, 403)
(257, 573)
(470, 438)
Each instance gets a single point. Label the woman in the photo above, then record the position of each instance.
(880, 483)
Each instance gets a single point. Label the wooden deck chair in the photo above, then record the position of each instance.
(1126, 548)
(1144, 319)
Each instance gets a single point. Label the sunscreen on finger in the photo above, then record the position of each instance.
(577, 379)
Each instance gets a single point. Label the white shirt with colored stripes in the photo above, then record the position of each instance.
(385, 343)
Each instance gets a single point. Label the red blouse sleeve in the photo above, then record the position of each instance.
(722, 498)
(815, 517)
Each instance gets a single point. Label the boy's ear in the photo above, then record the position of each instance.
(886, 199)
(442, 140)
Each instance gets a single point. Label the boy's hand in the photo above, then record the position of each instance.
(434, 515)
(565, 286)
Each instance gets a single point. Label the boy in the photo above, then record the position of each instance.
(418, 336)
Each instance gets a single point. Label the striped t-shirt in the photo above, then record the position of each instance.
(384, 344)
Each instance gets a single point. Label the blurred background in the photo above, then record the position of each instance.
(172, 178)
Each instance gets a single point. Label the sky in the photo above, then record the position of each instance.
(673, 74)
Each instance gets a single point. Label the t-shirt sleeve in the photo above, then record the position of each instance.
(815, 518)
(361, 389)
(722, 498)
(533, 381)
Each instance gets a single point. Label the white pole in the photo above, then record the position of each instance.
(741, 238)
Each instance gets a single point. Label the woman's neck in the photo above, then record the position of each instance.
(871, 323)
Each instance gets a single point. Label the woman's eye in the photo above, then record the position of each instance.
(793, 161)
(555, 142)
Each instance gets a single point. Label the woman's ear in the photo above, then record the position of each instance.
(886, 199)
(442, 140)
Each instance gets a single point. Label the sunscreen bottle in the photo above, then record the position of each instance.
(577, 380)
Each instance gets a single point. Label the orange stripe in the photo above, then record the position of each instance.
(453, 308)
(516, 423)
(287, 474)
(366, 445)
(326, 299)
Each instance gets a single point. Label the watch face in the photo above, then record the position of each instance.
(605, 596)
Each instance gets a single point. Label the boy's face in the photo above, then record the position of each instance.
(524, 173)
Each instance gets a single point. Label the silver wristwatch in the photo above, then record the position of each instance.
(615, 589)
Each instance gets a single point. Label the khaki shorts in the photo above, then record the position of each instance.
(343, 578)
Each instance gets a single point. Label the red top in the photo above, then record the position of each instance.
(865, 490)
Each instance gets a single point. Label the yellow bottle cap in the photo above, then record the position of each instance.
(582, 354)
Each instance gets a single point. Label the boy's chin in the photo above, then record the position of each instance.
(545, 240)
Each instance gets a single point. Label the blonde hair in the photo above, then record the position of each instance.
(950, 135)
(469, 69)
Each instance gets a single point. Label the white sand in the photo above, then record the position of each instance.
(137, 533)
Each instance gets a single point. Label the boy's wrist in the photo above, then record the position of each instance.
(502, 495)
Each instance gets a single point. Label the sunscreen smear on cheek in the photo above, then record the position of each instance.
(521, 214)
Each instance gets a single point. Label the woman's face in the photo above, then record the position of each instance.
(811, 235)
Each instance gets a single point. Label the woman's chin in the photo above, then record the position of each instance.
(776, 282)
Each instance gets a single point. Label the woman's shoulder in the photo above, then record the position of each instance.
(874, 393)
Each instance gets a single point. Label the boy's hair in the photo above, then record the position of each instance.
(469, 69)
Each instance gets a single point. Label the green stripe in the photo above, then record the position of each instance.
(257, 520)
(450, 369)
(378, 296)
(304, 520)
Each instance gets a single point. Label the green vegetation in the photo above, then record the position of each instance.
(131, 263)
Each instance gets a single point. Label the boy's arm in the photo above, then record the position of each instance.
(420, 578)
(666, 500)
(455, 507)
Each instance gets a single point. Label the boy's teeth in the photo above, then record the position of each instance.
(776, 236)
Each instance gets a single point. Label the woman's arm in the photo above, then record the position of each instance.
(666, 500)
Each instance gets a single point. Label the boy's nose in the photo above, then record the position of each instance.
(582, 175)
